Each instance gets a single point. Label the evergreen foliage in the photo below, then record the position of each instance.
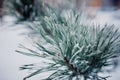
(26, 9)
(73, 50)
(31, 10)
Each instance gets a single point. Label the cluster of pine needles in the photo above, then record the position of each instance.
(73, 50)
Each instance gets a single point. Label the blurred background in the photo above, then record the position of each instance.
(14, 14)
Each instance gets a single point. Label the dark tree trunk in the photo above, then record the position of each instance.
(1, 6)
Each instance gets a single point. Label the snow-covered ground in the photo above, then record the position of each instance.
(10, 37)
(10, 61)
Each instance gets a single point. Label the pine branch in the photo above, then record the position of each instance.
(77, 49)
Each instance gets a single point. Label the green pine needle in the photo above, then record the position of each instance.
(75, 50)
